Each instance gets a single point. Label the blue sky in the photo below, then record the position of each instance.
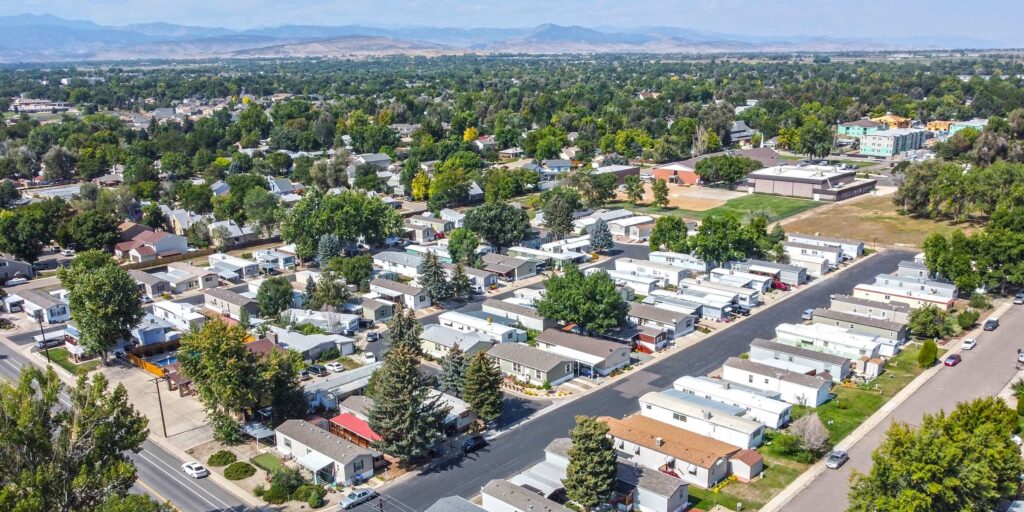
(998, 20)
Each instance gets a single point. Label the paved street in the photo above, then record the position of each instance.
(159, 472)
(983, 372)
(519, 448)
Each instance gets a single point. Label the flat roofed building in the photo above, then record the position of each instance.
(795, 388)
(703, 416)
(851, 248)
(497, 332)
(757, 406)
(817, 182)
(862, 324)
(914, 299)
(839, 368)
(892, 311)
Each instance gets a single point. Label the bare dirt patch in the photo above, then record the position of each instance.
(695, 199)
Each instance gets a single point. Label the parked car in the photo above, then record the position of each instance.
(991, 324)
(808, 314)
(195, 470)
(317, 370)
(335, 367)
(372, 336)
(68, 252)
(1019, 298)
(357, 497)
(952, 360)
(779, 285)
(836, 459)
(473, 444)
(369, 357)
(741, 310)
(304, 375)
(50, 343)
(146, 299)
(40, 265)
(16, 281)
(968, 344)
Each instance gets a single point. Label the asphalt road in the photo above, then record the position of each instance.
(985, 370)
(522, 447)
(159, 472)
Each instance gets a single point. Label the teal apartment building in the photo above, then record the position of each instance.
(887, 143)
(860, 128)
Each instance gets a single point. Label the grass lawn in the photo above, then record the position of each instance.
(873, 219)
(777, 207)
(778, 473)
(267, 462)
(349, 363)
(62, 358)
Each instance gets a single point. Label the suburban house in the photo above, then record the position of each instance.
(862, 324)
(150, 284)
(453, 217)
(271, 260)
(916, 284)
(817, 182)
(13, 267)
(419, 233)
(509, 268)
(592, 355)
(757, 406)
(412, 297)
(328, 321)
(829, 339)
(379, 160)
(914, 299)
(639, 284)
(460, 418)
(788, 274)
(233, 268)
(37, 304)
(792, 387)
(229, 233)
(180, 221)
(621, 227)
(504, 496)
(737, 278)
(353, 428)
(684, 261)
(800, 359)
(704, 416)
(693, 458)
(523, 315)
(181, 315)
(437, 340)
(816, 266)
(153, 330)
(666, 274)
(892, 311)
(710, 306)
(400, 263)
(376, 311)
(532, 365)
(496, 331)
(675, 323)
(328, 392)
(229, 303)
(149, 245)
(833, 255)
(479, 280)
(742, 296)
(454, 503)
(310, 346)
(439, 225)
(851, 249)
(182, 277)
(328, 457)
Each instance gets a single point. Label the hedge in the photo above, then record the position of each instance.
(221, 458)
(239, 471)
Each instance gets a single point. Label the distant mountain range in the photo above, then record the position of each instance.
(47, 38)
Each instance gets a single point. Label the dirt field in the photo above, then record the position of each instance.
(695, 199)
(872, 219)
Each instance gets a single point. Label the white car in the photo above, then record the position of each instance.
(968, 344)
(195, 470)
(335, 367)
(68, 252)
(369, 357)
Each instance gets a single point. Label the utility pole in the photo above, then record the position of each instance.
(160, 402)
(42, 334)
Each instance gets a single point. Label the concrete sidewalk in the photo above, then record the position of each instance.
(808, 477)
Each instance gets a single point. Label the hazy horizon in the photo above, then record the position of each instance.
(997, 21)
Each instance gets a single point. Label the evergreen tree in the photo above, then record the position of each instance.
(404, 330)
(453, 372)
(244, 320)
(434, 279)
(328, 247)
(407, 419)
(461, 287)
(310, 294)
(590, 476)
(481, 388)
(601, 236)
(929, 351)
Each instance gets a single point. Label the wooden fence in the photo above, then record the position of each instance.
(146, 365)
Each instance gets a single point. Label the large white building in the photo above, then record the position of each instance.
(828, 339)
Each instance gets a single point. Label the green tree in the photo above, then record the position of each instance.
(963, 461)
(355, 269)
(104, 302)
(558, 205)
(660, 190)
(500, 224)
(274, 296)
(23, 232)
(601, 236)
(328, 248)
(421, 186)
(90, 230)
(591, 302)
(590, 475)
(153, 217)
(725, 168)
(74, 457)
(8, 194)
(815, 138)
(329, 173)
(462, 244)
(404, 330)
(967, 318)
(404, 415)
(634, 189)
(719, 239)
(262, 210)
(460, 285)
(434, 279)
(132, 503)
(453, 372)
(595, 189)
(481, 387)
(931, 322)
(368, 219)
(58, 164)
(926, 357)
(329, 292)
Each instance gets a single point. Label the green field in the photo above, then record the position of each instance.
(62, 358)
(267, 462)
(777, 207)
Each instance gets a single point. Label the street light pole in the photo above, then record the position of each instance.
(160, 402)
(42, 334)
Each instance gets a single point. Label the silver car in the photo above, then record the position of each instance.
(357, 497)
(836, 459)
(194, 470)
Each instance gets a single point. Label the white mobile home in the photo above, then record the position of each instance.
(703, 416)
(793, 387)
(851, 249)
(666, 274)
(803, 360)
(759, 407)
(497, 332)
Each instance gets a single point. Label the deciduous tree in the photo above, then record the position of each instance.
(274, 296)
(591, 302)
(104, 302)
(500, 224)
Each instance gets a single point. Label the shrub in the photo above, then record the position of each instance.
(259, 490)
(1020, 406)
(330, 354)
(221, 458)
(980, 301)
(288, 480)
(239, 471)
(786, 444)
(929, 351)
(316, 498)
(276, 495)
(967, 318)
(302, 493)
